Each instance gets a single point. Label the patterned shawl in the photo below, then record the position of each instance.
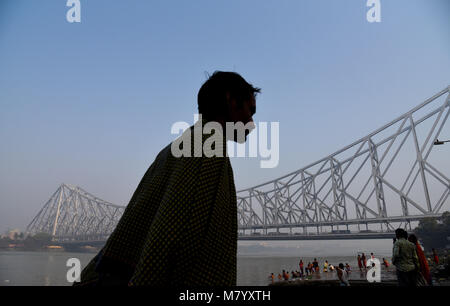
(179, 228)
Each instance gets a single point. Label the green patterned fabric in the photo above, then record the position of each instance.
(179, 228)
(404, 255)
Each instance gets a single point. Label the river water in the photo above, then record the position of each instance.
(256, 260)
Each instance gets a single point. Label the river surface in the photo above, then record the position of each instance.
(255, 262)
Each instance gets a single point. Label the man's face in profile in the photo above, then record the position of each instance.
(243, 113)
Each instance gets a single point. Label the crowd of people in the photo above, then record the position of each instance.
(362, 262)
(411, 265)
(313, 268)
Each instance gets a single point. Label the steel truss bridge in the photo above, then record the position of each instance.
(388, 179)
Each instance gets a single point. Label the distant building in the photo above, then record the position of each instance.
(12, 234)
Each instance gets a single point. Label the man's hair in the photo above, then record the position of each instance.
(401, 233)
(212, 96)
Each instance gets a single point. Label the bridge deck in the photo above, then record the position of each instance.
(351, 236)
(325, 236)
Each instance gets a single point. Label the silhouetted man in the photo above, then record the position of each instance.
(180, 226)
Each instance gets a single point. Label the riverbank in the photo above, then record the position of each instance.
(50, 248)
(440, 275)
(335, 283)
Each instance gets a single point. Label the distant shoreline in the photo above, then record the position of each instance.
(49, 250)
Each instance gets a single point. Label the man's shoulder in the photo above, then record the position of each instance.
(404, 243)
(193, 154)
(161, 157)
(401, 241)
(411, 245)
(397, 243)
(167, 160)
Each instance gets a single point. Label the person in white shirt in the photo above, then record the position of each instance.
(342, 275)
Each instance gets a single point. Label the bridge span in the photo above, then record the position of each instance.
(395, 176)
(75, 245)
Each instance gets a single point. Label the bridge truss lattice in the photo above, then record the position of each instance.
(72, 213)
(392, 176)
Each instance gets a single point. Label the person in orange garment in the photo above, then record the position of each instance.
(272, 277)
(424, 268)
(364, 260)
(435, 257)
(359, 262)
(302, 273)
(285, 275)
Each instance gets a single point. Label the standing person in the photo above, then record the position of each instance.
(372, 256)
(285, 275)
(315, 265)
(364, 260)
(424, 268)
(179, 227)
(342, 275)
(301, 268)
(325, 266)
(435, 256)
(359, 262)
(272, 276)
(404, 258)
(347, 267)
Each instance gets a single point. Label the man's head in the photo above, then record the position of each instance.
(227, 97)
(401, 233)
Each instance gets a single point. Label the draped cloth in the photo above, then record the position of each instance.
(179, 228)
(424, 268)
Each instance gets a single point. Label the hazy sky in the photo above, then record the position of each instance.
(92, 103)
